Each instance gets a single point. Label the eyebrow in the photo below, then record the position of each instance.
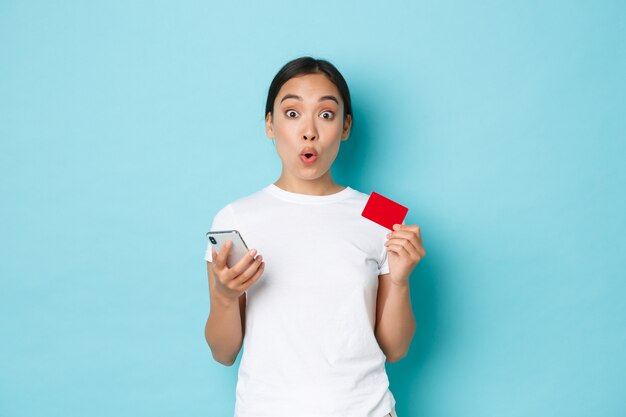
(333, 98)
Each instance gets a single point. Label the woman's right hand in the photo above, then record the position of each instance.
(231, 283)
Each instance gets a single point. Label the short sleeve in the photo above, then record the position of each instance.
(383, 264)
(223, 220)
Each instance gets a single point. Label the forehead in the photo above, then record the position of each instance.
(309, 86)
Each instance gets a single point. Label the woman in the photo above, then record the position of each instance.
(333, 302)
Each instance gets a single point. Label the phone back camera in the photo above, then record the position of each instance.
(212, 239)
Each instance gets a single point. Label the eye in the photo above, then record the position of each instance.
(291, 114)
(327, 115)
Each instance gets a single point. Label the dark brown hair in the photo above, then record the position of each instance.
(308, 65)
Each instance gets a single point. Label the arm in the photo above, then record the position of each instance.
(395, 322)
(225, 327)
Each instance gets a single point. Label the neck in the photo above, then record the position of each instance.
(325, 185)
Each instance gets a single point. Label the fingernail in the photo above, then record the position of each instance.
(260, 258)
(252, 252)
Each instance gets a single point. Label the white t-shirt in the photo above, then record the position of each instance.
(309, 348)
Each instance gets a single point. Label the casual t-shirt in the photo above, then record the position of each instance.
(309, 348)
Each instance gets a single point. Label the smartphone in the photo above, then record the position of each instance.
(237, 250)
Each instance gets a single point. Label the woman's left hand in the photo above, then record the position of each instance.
(404, 251)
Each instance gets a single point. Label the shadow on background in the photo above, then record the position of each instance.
(405, 375)
(352, 160)
(359, 163)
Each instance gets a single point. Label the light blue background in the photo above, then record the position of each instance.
(500, 125)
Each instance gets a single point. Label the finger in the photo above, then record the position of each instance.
(243, 263)
(248, 272)
(416, 240)
(222, 256)
(414, 254)
(399, 250)
(411, 250)
(409, 227)
(251, 272)
(402, 234)
(414, 237)
(412, 244)
(254, 278)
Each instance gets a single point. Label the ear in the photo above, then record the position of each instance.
(347, 124)
(269, 129)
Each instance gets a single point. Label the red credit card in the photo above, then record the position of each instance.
(384, 211)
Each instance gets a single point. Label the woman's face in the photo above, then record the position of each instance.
(308, 125)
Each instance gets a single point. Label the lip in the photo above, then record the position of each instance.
(309, 150)
(308, 161)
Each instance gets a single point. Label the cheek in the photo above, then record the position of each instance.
(286, 131)
(282, 129)
(284, 149)
(332, 129)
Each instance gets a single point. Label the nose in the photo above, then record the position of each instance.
(310, 131)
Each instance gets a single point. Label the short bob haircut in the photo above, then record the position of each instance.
(303, 66)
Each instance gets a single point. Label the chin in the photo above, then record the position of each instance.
(310, 175)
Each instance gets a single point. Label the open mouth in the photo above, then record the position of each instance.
(308, 158)
(308, 155)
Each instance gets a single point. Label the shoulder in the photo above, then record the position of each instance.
(240, 205)
(358, 195)
(250, 203)
(357, 199)
(376, 231)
